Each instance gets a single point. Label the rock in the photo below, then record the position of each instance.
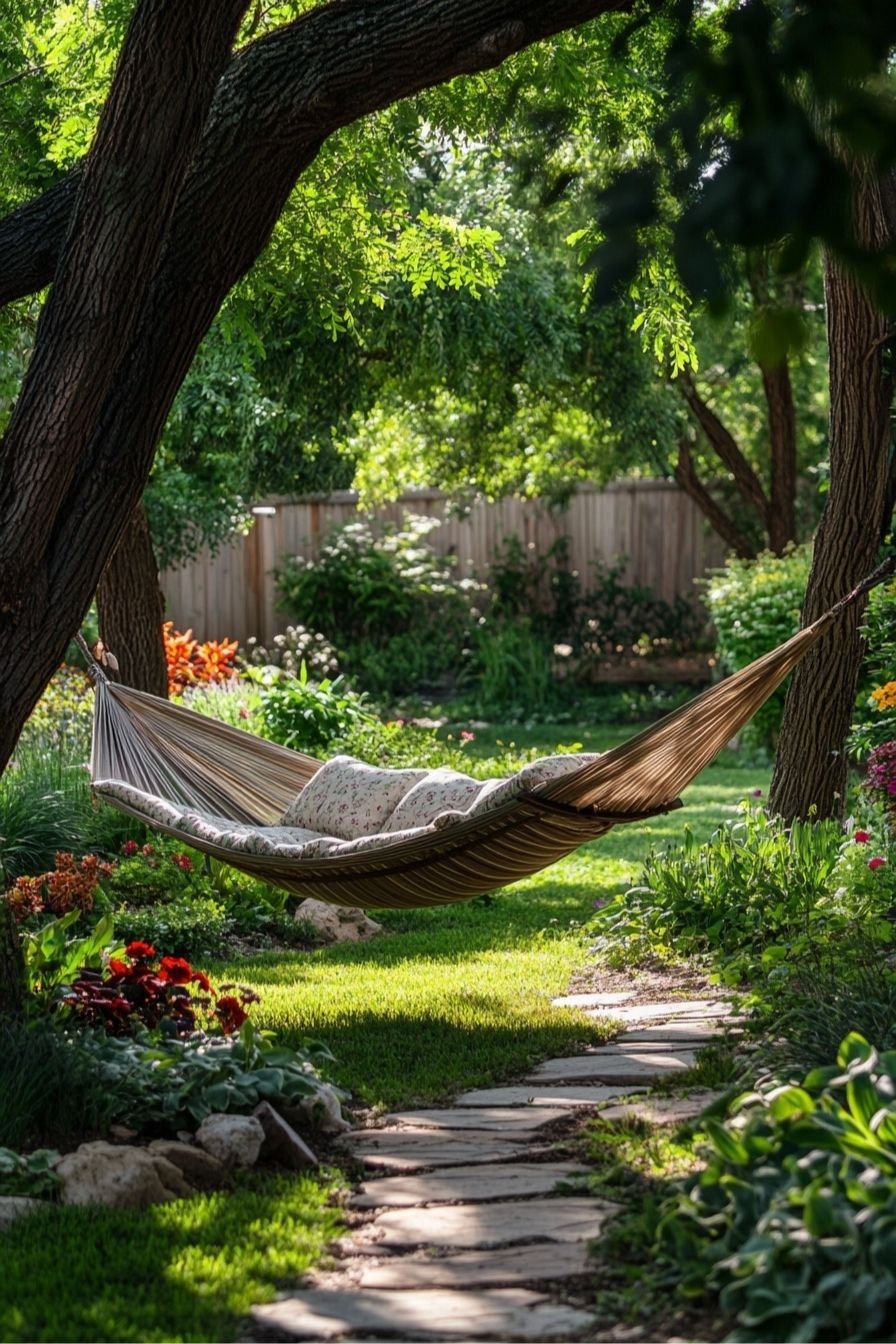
(14, 1207)
(201, 1169)
(234, 1140)
(520, 1266)
(123, 1133)
(468, 1185)
(119, 1176)
(503, 1118)
(581, 1094)
(469, 1226)
(337, 924)
(321, 1110)
(611, 1065)
(281, 1142)
(416, 1149)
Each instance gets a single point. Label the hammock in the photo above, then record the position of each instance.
(152, 760)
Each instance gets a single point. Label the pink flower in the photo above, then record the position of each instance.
(467, 737)
(876, 863)
(862, 837)
(182, 861)
(129, 847)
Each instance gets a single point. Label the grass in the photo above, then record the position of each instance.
(189, 1270)
(460, 996)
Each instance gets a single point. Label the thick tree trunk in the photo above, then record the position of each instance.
(278, 100)
(811, 766)
(131, 609)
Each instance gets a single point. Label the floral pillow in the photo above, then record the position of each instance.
(154, 809)
(346, 798)
(243, 838)
(441, 790)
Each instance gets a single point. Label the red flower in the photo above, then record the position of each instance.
(175, 970)
(118, 967)
(201, 979)
(230, 1013)
(876, 863)
(129, 848)
(148, 849)
(182, 861)
(138, 951)
(862, 837)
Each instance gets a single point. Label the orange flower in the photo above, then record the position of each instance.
(885, 696)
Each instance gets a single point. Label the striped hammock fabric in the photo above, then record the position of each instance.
(157, 761)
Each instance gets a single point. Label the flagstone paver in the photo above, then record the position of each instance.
(416, 1149)
(500, 1118)
(696, 1031)
(574, 1094)
(515, 1313)
(620, 1066)
(594, 1000)
(469, 1226)
(671, 1009)
(662, 1110)
(517, 1265)
(470, 1184)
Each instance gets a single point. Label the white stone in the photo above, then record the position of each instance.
(234, 1140)
(620, 1066)
(118, 1176)
(416, 1149)
(670, 1009)
(14, 1207)
(594, 1000)
(523, 1265)
(496, 1117)
(321, 1110)
(579, 1094)
(336, 923)
(469, 1184)
(512, 1313)
(469, 1226)
(662, 1110)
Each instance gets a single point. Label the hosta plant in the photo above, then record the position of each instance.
(792, 1220)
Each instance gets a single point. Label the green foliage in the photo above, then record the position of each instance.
(387, 601)
(186, 925)
(53, 958)
(44, 800)
(754, 606)
(400, 745)
(189, 1270)
(753, 896)
(309, 715)
(515, 666)
(875, 712)
(791, 1220)
(171, 1084)
(48, 1091)
(29, 1174)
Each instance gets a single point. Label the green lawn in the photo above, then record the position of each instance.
(460, 996)
(190, 1270)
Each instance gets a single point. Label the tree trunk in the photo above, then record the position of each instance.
(811, 765)
(131, 609)
(721, 521)
(79, 450)
(781, 516)
(12, 966)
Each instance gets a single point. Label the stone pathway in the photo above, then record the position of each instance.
(468, 1226)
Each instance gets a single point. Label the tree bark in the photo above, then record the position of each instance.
(131, 609)
(781, 515)
(716, 516)
(724, 445)
(811, 765)
(278, 100)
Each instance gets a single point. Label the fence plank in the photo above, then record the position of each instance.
(659, 530)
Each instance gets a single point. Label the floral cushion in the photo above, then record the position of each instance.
(438, 791)
(346, 798)
(154, 809)
(243, 838)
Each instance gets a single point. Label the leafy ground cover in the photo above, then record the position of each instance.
(189, 1270)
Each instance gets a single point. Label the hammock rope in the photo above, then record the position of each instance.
(196, 762)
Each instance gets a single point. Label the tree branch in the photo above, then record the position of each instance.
(686, 475)
(724, 446)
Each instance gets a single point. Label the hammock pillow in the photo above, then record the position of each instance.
(347, 798)
(440, 791)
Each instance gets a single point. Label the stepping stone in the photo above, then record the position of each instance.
(469, 1184)
(609, 1066)
(416, 1149)
(467, 1226)
(660, 1045)
(593, 1000)
(662, 1110)
(496, 1117)
(696, 1031)
(574, 1095)
(434, 1313)
(482, 1269)
(675, 1008)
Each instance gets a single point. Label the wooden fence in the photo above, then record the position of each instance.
(654, 524)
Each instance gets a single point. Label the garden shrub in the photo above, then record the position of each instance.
(875, 715)
(309, 715)
(515, 666)
(237, 702)
(792, 1220)
(370, 588)
(757, 892)
(44, 803)
(291, 649)
(48, 1089)
(189, 924)
(754, 606)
